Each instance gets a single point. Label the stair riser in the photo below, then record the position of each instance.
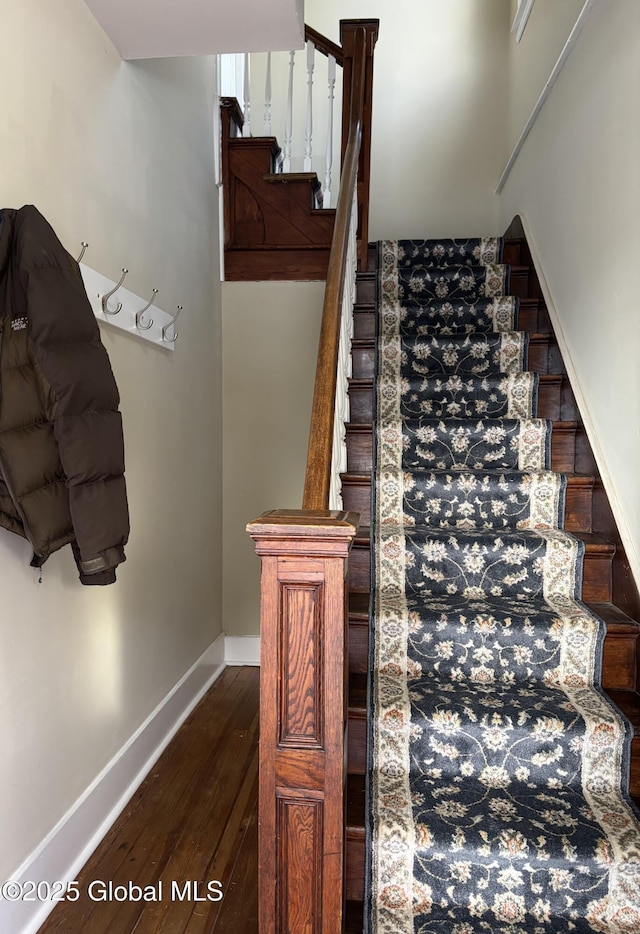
(519, 282)
(596, 583)
(355, 865)
(363, 358)
(357, 743)
(356, 496)
(549, 400)
(360, 449)
(620, 662)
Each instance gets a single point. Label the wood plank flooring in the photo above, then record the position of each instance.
(193, 820)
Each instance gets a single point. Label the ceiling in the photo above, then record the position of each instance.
(163, 28)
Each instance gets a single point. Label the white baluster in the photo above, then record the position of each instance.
(267, 98)
(246, 131)
(288, 126)
(308, 131)
(326, 192)
(341, 411)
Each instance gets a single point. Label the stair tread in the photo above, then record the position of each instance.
(368, 426)
(615, 618)
(534, 337)
(593, 542)
(629, 704)
(573, 479)
(367, 381)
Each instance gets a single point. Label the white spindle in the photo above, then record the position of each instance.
(288, 126)
(341, 417)
(308, 131)
(247, 98)
(267, 98)
(326, 192)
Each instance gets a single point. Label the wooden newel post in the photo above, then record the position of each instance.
(303, 714)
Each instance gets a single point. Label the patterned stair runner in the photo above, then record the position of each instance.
(497, 797)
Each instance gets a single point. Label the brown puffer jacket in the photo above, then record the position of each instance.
(61, 446)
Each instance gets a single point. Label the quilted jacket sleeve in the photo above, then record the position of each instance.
(80, 395)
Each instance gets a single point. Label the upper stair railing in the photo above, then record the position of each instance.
(303, 616)
(326, 457)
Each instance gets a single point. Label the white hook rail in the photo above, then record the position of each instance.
(131, 311)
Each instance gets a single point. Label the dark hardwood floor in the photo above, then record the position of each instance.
(193, 822)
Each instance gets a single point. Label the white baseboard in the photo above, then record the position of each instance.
(64, 851)
(242, 650)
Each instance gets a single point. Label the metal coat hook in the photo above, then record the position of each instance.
(105, 298)
(139, 314)
(84, 246)
(171, 340)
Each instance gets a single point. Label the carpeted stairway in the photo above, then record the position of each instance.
(496, 797)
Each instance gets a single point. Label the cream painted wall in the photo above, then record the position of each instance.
(120, 155)
(424, 182)
(532, 59)
(577, 183)
(270, 334)
(440, 110)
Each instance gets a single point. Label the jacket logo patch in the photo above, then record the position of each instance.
(19, 324)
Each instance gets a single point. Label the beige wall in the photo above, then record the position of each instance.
(532, 59)
(440, 109)
(577, 184)
(120, 155)
(270, 337)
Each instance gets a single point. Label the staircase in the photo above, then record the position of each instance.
(608, 588)
(274, 226)
(310, 857)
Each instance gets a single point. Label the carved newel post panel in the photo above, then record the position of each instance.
(303, 715)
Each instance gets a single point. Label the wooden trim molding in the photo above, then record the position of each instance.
(546, 91)
(303, 718)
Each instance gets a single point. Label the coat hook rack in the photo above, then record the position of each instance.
(139, 314)
(105, 298)
(171, 340)
(130, 314)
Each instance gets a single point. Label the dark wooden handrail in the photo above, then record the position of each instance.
(318, 472)
(323, 45)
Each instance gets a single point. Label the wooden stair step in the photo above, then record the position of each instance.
(363, 355)
(550, 400)
(511, 255)
(519, 281)
(356, 496)
(357, 713)
(512, 252)
(596, 583)
(532, 317)
(359, 438)
(358, 632)
(355, 838)
(629, 703)
(621, 657)
(366, 287)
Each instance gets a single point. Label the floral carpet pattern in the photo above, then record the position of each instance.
(496, 798)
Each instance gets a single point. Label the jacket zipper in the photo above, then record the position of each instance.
(14, 500)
